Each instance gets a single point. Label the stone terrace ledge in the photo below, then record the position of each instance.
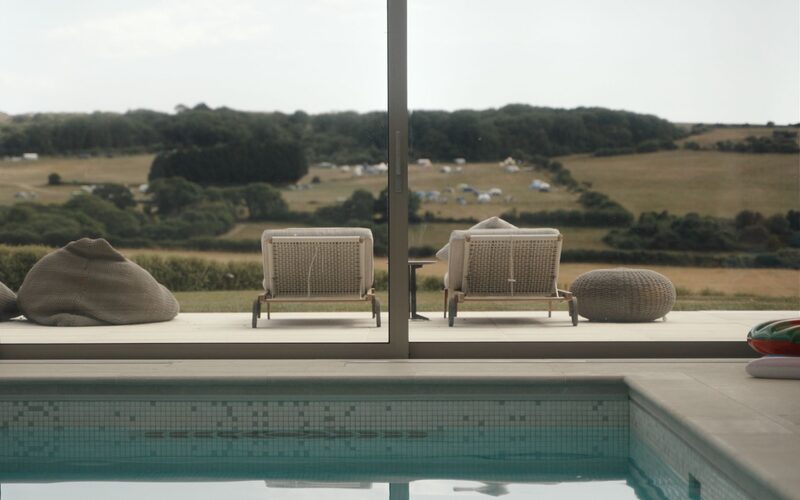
(695, 326)
(521, 334)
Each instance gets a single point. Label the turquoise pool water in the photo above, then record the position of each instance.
(553, 445)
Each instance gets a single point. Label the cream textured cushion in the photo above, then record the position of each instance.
(455, 266)
(367, 264)
(88, 283)
(8, 303)
(490, 223)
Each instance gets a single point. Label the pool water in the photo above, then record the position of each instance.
(550, 446)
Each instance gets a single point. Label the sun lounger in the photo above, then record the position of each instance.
(504, 265)
(317, 265)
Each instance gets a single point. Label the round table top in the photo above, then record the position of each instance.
(414, 262)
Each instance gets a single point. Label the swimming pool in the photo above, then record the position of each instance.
(415, 440)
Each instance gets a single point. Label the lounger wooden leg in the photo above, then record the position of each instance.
(268, 310)
(573, 310)
(445, 303)
(452, 310)
(376, 311)
(549, 308)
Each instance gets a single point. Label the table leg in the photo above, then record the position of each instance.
(412, 287)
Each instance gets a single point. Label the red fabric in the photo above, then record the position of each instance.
(779, 347)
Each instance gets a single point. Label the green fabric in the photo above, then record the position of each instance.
(88, 283)
(780, 330)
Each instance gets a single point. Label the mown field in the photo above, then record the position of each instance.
(337, 185)
(31, 176)
(682, 181)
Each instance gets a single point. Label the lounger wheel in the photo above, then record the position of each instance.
(452, 311)
(573, 310)
(256, 312)
(376, 311)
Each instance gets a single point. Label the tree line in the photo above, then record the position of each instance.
(517, 130)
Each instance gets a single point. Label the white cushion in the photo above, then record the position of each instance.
(367, 266)
(455, 266)
(490, 223)
(775, 367)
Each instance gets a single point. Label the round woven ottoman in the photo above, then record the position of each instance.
(623, 295)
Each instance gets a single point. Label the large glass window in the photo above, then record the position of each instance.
(180, 133)
(658, 136)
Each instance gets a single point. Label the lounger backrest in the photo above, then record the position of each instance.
(317, 262)
(505, 262)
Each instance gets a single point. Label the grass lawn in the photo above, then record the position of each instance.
(706, 182)
(241, 301)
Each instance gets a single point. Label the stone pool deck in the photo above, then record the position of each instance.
(736, 422)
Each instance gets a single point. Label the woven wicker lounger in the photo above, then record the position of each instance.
(317, 265)
(503, 265)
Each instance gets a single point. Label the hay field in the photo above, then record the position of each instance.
(681, 181)
(31, 176)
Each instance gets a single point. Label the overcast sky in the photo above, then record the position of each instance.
(684, 60)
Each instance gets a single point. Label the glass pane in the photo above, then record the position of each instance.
(180, 133)
(661, 137)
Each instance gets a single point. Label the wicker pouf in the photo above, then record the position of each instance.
(623, 295)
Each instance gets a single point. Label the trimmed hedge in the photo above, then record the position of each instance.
(782, 259)
(571, 218)
(15, 262)
(181, 274)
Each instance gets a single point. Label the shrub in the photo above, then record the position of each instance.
(54, 179)
(264, 202)
(117, 194)
(115, 221)
(174, 194)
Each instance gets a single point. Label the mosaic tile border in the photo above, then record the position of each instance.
(392, 430)
(672, 465)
